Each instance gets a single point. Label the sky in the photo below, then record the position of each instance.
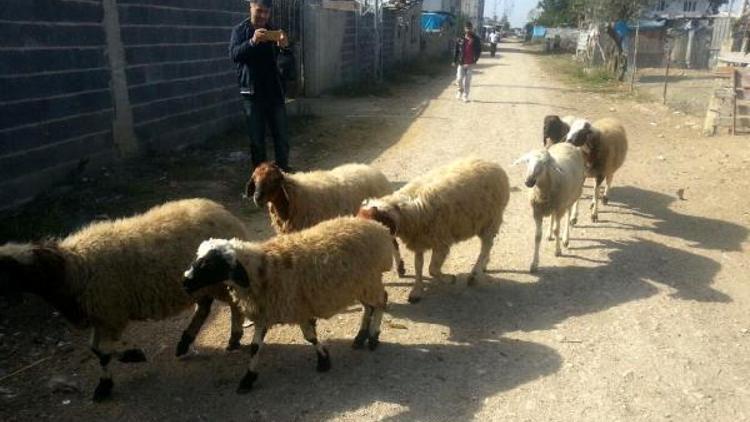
(521, 9)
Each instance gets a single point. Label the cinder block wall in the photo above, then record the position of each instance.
(81, 78)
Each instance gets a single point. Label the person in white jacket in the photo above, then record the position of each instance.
(494, 39)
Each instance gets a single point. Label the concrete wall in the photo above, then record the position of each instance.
(329, 34)
(97, 79)
(402, 35)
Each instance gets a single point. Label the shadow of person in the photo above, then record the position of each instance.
(501, 306)
(401, 381)
(704, 233)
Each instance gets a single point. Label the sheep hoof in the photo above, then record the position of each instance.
(534, 268)
(359, 340)
(605, 199)
(401, 270)
(133, 356)
(414, 299)
(472, 280)
(558, 253)
(594, 218)
(566, 243)
(233, 345)
(246, 385)
(373, 341)
(324, 361)
(103, 390)
(574, 221)
(184, 345)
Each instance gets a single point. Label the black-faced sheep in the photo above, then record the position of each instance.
(604, 145)
(301, 200)
(113, 272)
(556, 129)
(299, 277)
(444, 206)
(556, 177)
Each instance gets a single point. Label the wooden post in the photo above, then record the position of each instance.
(635, 53)
(666, 74)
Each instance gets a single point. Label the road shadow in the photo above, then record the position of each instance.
(701, 232)
(560, 292)
(404, 382)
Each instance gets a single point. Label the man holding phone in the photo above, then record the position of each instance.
(254, 48)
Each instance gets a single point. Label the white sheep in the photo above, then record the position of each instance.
(442, 207)
(299, 277)
(604, 145)
(556, 177)
(113, 272)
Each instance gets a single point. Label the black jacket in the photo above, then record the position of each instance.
(458, 53)
(246, 57)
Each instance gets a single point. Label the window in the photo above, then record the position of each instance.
(661, 5)
(690, 6)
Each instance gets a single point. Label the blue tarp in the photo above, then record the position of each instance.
(623, 29)
(435, 22)
(539, 32)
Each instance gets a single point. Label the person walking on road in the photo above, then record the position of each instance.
(467, 52)
(254, 48)
(494, 39)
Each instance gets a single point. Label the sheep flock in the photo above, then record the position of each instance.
(337, 233)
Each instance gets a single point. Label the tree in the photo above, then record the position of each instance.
(505, 23)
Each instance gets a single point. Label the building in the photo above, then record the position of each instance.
(449, 6)
(678, 9)
(474, 11)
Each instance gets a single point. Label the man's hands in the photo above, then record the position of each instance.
(261, 35)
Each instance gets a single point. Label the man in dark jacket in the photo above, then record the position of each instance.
(466, 54)
(254, 48)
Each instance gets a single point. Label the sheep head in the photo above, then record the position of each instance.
(216, 262)
(538, 163)
(382, 212)
(555, 130)
(265, 184)
(581, 133)
(34, 268)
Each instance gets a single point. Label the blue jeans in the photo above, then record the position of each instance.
(257, 115)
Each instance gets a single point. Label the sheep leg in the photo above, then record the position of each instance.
(364, 326)
(324, 358)
(202, 309)
(605, 197)
(436, 264)
(550, 236)
(400, 268)
(557, 218)
(574, 215)
(236, 331)
(595, 203)
(566, 234)
(416, 292)
(104, 352)
(482, 260)
(537, 241)
(374, 329)
(246, 385)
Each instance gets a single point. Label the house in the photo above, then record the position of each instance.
(678, 9)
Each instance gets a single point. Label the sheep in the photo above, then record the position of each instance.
(556, 129)
(113, 272)
(301, 200)
(299, 277)
(604, 145)
(556, 177)
(444, 206)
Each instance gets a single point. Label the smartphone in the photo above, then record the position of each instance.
(274, 35)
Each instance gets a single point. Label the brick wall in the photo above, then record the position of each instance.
(59, 82)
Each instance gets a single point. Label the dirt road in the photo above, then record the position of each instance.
(645, 317)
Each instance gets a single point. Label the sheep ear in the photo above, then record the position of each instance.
(250, 188)
(523, 159)
(239, 276)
